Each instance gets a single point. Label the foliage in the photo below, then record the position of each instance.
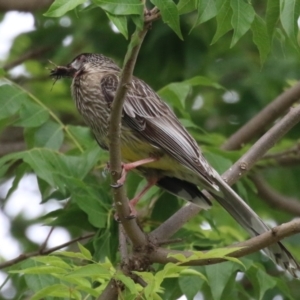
(228, 47)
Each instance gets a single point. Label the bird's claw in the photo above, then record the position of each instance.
(116, 185)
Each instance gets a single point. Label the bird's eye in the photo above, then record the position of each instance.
(78, 62)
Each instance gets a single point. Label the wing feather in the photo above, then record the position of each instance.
(145, 112)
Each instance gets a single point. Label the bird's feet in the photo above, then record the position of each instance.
(132, 214)
(129, 166)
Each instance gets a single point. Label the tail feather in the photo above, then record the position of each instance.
(251, 222)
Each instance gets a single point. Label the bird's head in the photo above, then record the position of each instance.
(85, 62)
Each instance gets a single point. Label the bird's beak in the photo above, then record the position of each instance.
(63, 71)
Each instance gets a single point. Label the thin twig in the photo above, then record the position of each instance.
(24, 256)
(34, 53)
(263, 119)
(252, 245)
(275, 199)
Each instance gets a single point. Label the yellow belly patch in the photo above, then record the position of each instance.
(142, 151)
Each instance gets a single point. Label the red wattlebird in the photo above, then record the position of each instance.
(156, 145)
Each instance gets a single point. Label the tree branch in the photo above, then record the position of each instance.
(268, 115)
(24, 256)
(244, 164)
(22, 5)
(274, 199)
(34, 53)
(252, 245)
(131, 227)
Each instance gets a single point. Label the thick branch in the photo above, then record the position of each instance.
(268, 115)
(252, 245)
(43, 252)
(274, 199)
(244, 164)
(267, 141)
(110, 292)
(133, 231)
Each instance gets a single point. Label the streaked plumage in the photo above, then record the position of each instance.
(150, 128)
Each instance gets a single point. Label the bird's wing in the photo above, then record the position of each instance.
(145, 112)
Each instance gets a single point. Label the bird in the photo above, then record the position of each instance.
(156, 145)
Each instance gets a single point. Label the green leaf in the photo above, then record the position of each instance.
(47, 291)
(60, 7)
(261, 38)
(206, 10)
(120, 22)
(242, 18)
(54, 261)
(190, 285)
(86, 253)
(175, 93)
(203, 81)
(19, 173)
(32, 115)
(218, 276)
(220, 163)
(224, 17)
(272, 16)
(260, 280)
(70, 254)
(49, 135)
(82, 134)
(91, 270)
(289, 14)
(127, 281)
(90, 201)
(11, 98)
(125, 7)
(169, 13)
(186, 6)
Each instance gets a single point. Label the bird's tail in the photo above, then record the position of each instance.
(248, 219)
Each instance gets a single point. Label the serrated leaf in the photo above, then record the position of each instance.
(242, 18)
(49, 135)
(261, 38)
(60, 7)
(206, 10)
(120, 22)
(19, 173)
(170, 15)
(11, 98)
(32, 115)
(125, 7)
(82, 134)
(223, 18)
(289, 15)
